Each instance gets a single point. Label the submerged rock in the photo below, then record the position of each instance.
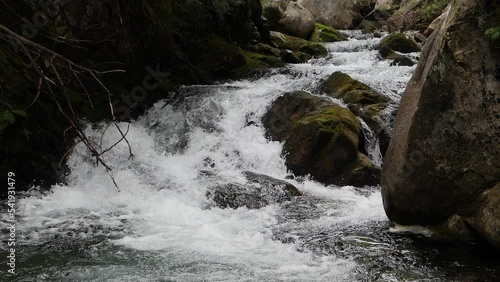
(260, 191)
(444, 159)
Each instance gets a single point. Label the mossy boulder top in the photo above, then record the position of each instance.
(400, 42)
(323, 33)
(341, 86)
(287, 110)
(325, 146)
(284, 41)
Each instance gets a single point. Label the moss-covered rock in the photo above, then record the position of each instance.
(284, 41)
(323, 33)
(342, 86)
(287, 110)
(400, 42)
(325, 146)
(361, 100)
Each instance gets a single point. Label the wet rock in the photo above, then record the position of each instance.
(444, 157)
(361, 100)
(385, 53)
(260, 191)
(290, 57)
(325, 146)
(271, 183)
(400, 42)
(403, 61)
(323, 33)
(284, 41)
(287, 110)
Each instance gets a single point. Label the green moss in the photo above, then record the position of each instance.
(493, 33)
(341, 85)
(323, 33)
(336, 121)
(400, 42)
(284, 41)
(430, 9)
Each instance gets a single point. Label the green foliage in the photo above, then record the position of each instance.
(9, 117)
(430, 9)
(493, 33)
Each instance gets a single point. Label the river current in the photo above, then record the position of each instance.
(161, 227)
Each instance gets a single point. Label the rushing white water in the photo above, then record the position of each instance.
(158, 228)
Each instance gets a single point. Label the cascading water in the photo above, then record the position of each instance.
(160, 227)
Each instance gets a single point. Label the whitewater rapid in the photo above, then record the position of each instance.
(160, 226)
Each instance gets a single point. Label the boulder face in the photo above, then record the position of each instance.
(340, 14)
(444, 153)
(296, 21)
(288, 17)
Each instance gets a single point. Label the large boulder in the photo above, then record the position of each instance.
(288, 17)
(325, 146)
(362, 100)
(321, 138)
(296, 21)
(444, 156)
(340, 14)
